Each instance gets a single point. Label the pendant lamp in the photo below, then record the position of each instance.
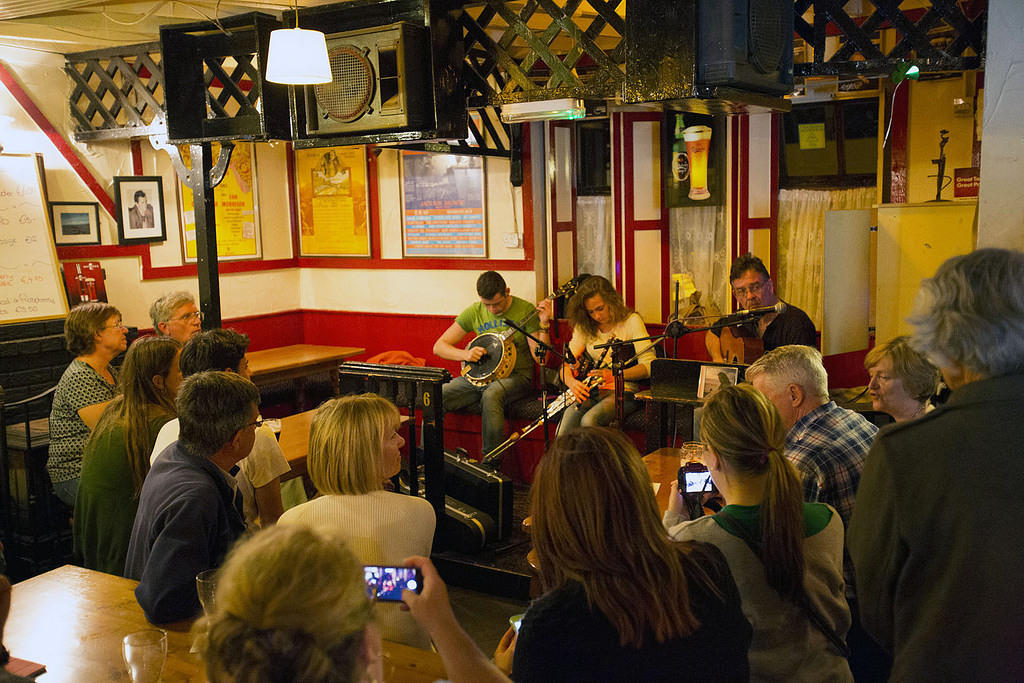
(298, 56)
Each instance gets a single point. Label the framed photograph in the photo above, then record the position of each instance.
(714, 376)
(75, 223)
(140, 209)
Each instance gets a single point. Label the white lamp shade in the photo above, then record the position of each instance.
(298, 56)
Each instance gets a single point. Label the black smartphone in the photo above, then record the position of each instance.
(695, 478)
(387, 583)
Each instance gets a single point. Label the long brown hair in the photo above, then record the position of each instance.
(140, 401)
(592, 286)
(595, 521)
(744, 428)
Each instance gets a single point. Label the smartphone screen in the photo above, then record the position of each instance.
(695, 478)
(387, 583)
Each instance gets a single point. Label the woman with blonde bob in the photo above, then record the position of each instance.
(354, 446)
(786, 555)
(291, 605)
(622, 601)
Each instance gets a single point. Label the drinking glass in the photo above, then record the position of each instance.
(206, 587)
(144, 654)
(691, 451)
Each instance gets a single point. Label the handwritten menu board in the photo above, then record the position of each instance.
(30, 282)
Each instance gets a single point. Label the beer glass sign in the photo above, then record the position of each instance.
(698, 142)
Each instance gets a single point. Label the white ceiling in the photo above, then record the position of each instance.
(65, 26)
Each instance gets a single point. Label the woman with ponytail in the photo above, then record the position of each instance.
(786, 555)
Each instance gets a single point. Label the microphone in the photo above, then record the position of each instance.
(779, 307)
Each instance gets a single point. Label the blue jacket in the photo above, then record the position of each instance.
(185, 524)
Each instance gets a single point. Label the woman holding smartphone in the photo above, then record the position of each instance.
(622, 602)
(786, 555)
(354, 446)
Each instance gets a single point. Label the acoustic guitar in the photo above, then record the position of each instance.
(739, 345)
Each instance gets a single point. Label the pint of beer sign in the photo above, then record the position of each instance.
(698, 140)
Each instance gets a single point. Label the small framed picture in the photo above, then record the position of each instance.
(75, 223)
(140, 209)
(713, 377)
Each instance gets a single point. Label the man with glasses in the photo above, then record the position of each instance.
(188, 516)
(489, 315)
(259, 477)
(753, 288)
(175, 315)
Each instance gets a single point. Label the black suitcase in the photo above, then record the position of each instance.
(480, 487)
(464, 528)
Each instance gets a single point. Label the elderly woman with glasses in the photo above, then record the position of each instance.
(902, 379)
(94, 333)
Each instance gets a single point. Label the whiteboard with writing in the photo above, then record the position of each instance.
(30, 284)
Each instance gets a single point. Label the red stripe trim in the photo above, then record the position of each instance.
(58, 141)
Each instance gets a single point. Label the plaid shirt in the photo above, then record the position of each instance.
(828, 446)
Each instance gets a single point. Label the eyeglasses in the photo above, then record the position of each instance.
(198, 315)
(754, 288)
(258, 423)
(115, 326)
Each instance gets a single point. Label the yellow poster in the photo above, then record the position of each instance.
(234, 207)
(812, 135)
(333, 216)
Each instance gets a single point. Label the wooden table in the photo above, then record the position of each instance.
(294, 441)
(298, 361)
(663, 468)
(73, 619)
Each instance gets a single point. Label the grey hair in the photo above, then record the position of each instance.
(792, 364)
(212, 407)
(164, 307)
(971, 313)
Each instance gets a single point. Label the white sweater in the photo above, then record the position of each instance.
(381, 528)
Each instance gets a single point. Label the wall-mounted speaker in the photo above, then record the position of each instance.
(381, 82)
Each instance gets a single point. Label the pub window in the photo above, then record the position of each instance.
(830, 144)
(593, 157)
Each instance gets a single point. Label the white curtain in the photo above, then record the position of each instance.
(594, 253)
(802, 240)
(697, 238)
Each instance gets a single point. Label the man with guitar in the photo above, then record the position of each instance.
(753, 289)
(487, 318)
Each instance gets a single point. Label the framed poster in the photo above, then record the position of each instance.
(334, 214)
(75, 223)
(234, 202)
(139, 200)
(713, 377)
(693, 159)
(443, 212)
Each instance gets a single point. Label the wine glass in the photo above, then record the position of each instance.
(144, 654)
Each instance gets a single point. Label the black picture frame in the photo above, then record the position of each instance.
(75, 223)
(137, 225)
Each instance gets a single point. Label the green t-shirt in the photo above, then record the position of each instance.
(477, 319)
(816, 518)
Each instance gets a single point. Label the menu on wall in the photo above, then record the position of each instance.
(30, 282)
(234, 207)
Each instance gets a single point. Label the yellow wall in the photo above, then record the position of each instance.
(931, 109)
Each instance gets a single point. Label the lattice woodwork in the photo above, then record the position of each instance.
(941, 37)
(527, 50)
(523, 50)
(118, 92)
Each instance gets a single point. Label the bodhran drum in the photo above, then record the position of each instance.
(497, 362)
